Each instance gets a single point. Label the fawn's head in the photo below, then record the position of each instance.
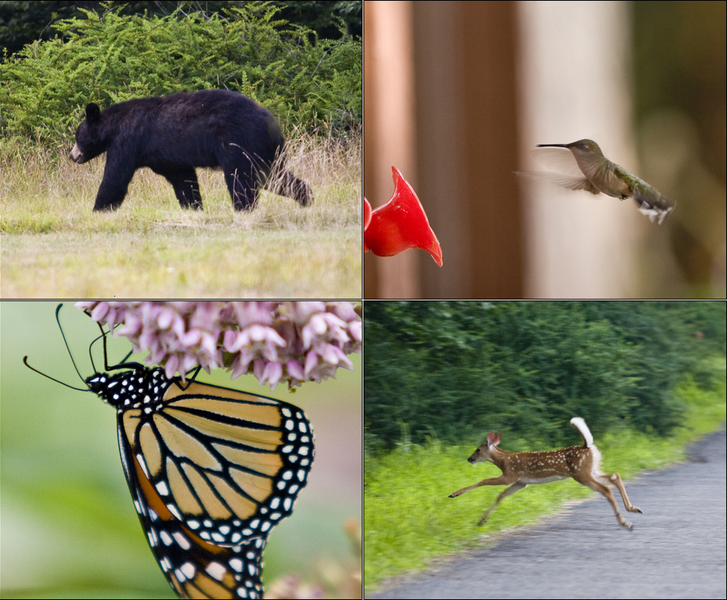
(484, 452)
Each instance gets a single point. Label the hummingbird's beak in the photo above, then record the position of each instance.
(552, 145)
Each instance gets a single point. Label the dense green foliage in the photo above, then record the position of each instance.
(24, 22)
(110, 57)
(455, 370)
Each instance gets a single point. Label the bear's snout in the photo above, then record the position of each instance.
(76, 155)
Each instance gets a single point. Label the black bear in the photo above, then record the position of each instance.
(174, 134)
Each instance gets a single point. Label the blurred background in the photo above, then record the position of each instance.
(69, 528)
(457, 94)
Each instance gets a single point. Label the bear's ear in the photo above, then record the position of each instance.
(93, 113)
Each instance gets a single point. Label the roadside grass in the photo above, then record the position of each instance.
(409, 518)
(53, 245)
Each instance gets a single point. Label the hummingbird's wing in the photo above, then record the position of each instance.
(571, 183)
(604, 175)
(562, 170)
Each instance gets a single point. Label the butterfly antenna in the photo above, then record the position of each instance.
(65, 341)
(25, 360)
(122, 365)
(90, 350)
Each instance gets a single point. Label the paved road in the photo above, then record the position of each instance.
(676, 550)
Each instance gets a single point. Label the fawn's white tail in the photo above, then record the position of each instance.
(520, 469)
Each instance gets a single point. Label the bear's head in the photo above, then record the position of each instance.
(89, 136)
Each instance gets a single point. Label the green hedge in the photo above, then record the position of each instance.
(455, 370)
(108, 58)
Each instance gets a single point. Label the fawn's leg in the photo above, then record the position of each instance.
(605, 490)
(501, 480)
(515, 487)
(615, 479)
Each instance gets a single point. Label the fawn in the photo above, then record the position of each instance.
(519, 469)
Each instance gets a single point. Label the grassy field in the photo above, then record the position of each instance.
(53, 245)
(409, 518)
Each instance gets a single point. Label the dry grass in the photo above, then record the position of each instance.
(53, 245)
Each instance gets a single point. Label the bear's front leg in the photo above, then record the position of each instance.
(116, 178)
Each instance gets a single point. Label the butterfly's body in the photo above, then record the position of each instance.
(211, 471)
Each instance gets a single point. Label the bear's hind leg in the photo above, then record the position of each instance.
(292, 187)
(186, 186)
(242, 182)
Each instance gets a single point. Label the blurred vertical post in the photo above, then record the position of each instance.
(444, 111)
(468, 146)
(388, 133)
(574, 84)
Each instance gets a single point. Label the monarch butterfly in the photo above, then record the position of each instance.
(211, 471)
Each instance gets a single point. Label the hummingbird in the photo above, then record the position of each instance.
(600, 175)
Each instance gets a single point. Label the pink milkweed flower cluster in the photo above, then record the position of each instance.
(275, 341)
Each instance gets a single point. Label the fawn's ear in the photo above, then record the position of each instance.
(492, 439)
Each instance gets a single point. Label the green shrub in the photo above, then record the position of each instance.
(108, 58)
(455, 370)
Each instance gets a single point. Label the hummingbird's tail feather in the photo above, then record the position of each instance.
(653, 205)
(655, 214)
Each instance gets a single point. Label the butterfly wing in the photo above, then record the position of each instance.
(212, 470)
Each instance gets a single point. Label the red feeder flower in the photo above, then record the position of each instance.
(399, 224)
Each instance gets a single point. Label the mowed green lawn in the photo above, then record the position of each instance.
(54, 245)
